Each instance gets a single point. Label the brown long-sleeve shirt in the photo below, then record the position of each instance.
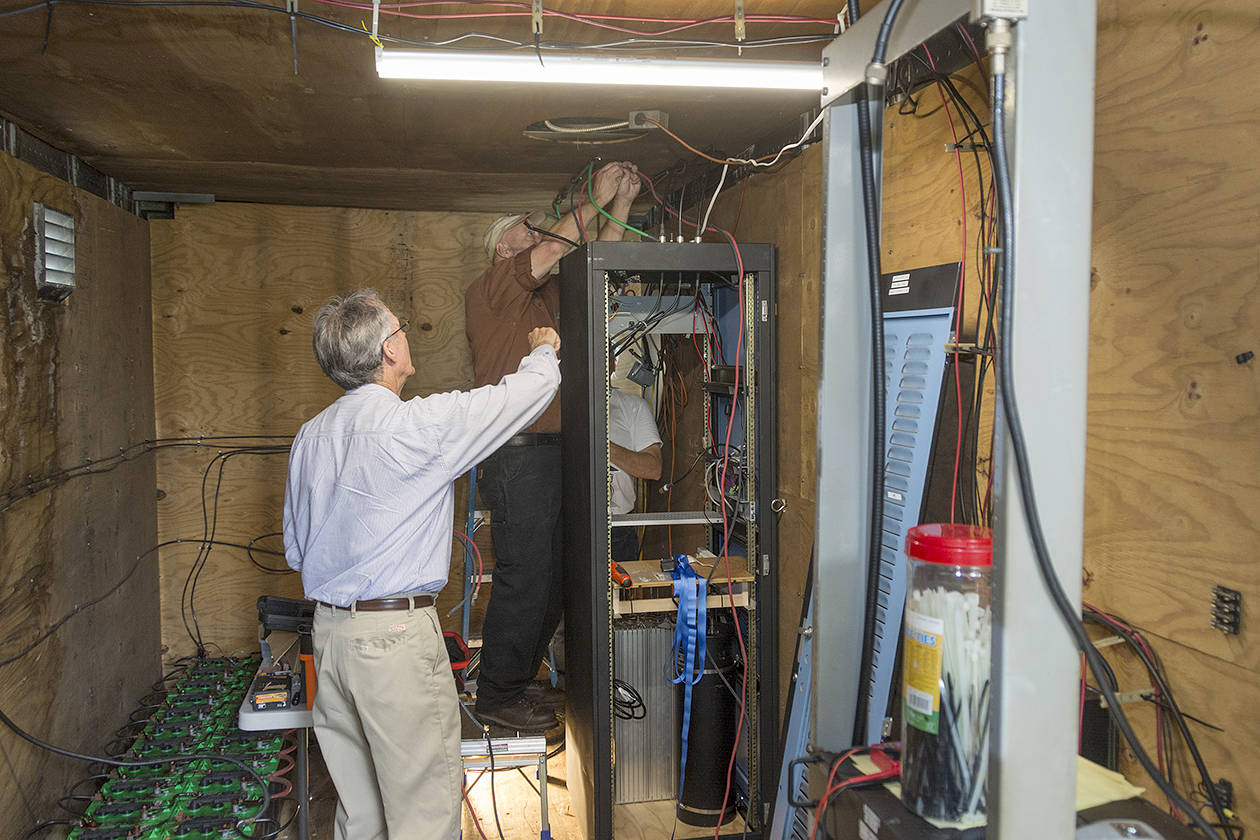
(500, 308)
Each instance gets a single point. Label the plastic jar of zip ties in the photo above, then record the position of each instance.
(945, 679)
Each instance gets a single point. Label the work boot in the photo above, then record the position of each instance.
(543, 695)
(518, 714)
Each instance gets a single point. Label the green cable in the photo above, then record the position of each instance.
(590, 191)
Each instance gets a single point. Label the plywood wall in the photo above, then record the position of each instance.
(784, 207)
(1172, 494)
(235, 288)
(1173, 445)
(76, 385)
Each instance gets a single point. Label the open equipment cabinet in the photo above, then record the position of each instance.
(737, 287)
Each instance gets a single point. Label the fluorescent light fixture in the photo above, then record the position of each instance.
(455, 65)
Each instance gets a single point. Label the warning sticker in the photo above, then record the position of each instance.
(922, 679)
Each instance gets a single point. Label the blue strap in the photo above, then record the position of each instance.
(689, 643)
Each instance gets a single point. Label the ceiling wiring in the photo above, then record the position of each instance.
(603, 21)
(586, 129)
(764, 161)
(642, 40)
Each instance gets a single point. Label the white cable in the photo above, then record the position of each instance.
(775, 159)
(587, 130)
(705, 224)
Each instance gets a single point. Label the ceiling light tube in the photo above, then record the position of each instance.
(455, 65)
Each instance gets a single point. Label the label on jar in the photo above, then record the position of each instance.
(922, 655)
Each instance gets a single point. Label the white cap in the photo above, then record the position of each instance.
(496, 230)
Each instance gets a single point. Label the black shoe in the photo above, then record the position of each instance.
(518, 714)
(543, 695)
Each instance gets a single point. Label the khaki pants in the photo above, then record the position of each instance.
(387, 720)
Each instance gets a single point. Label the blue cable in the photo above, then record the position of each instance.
(689, 642)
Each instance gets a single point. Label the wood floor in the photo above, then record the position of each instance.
(518, 809)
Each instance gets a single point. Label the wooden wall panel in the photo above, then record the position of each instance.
(1173, 446)
(76, 384)
(784, 207)
(235, 289)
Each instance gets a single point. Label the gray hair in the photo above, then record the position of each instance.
(348, 333)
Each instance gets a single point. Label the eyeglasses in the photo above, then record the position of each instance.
(402, 327)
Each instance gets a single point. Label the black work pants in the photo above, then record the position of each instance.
(624, 545)
(521, 487)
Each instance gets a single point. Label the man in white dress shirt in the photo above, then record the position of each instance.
(634, 449)
(368, 511)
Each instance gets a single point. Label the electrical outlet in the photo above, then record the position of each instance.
(1224, 792)
(639, 119)
(1226, 610)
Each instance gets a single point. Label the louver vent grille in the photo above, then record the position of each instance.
(54, 253)
(917, 321)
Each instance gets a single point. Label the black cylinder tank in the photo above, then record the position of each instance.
(711, 735)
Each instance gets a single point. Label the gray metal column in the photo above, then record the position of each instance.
(1035, 665)
(841, 534)
(841, 531)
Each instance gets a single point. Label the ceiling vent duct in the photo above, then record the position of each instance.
(585, 130)
(54, 253)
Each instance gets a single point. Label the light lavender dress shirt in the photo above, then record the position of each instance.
(369, 501)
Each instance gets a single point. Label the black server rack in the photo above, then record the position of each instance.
(739, 286)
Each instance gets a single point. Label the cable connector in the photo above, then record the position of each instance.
(876, 74)
(998, 40)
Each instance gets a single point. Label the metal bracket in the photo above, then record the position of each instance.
(845, 59)
(1129, 696)
(292, 7)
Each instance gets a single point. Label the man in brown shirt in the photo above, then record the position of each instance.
(521, 482)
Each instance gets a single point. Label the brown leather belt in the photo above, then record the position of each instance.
(533, 439)
(383, 604)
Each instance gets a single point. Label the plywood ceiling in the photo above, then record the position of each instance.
(203, 98)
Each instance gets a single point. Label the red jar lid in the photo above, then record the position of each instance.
(953, 545)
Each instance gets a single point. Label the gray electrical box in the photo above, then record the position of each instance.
(1008, 9)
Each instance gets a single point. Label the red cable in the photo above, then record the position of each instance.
(963, 29)
(1080, 720)
(726, 457)
(595, 20)
(962, 286)
(476, 822)
(852, 780)
(288, 786)
(831, 776)
(726, 537)
(577, 214)
(1116, 623)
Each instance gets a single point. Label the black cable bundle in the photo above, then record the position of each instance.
(933, 781)
(627, 702)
